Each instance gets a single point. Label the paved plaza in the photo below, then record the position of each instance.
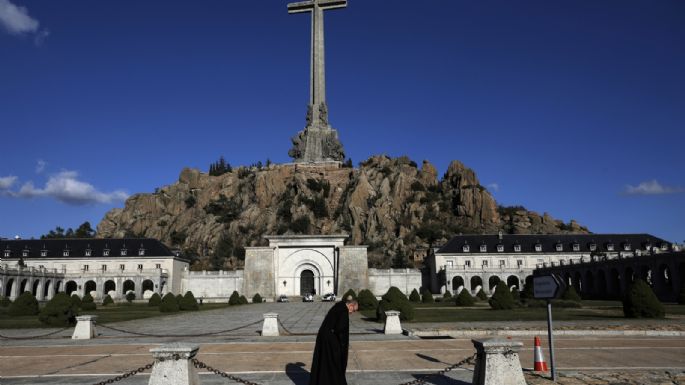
(374, 357)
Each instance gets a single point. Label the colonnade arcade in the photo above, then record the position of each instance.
(42, 283)
(475, 281)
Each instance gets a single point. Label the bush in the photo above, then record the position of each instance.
(414, 296)
(349, 293)
(243, 300)
(571, 294)
(5, 302)
(527, 292)
(502, 299)
(155, 300)
(25, 304)
(107, 301)
(234, 299)
(169, 304)
(640, 302)
(188, 302)
(481, 295)
(427, 297)
(681, 296)
(76, 300)
(130, 296)
(59, 311)
(464, 298)
(447, 296)
(366, 299)
(88, 303)
(257, 298)
(516, 294)
(179, 298)
(394, 299)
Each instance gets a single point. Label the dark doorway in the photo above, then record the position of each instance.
(306, 282)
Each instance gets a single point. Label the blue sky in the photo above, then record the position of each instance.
(576, 108)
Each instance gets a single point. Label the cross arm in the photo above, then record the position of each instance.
(307, 6)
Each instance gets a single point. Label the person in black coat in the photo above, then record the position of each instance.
(332, 342)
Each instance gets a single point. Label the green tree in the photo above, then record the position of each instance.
(84, 231)
(234, 299)
(464, 298)
(447, 296)
(87, 303)
(130, 296)
(640, 302)
(5, 302)
(394, 299)
(242, 300)
(76, 300)
(399, 261)
(502, 299)
(25, 304)
(481, 295)
(169, 304)
(414, 296)
(366, 300)
(188, 302)
(257, 298)
(155, 300)
(427, 296)
(59, 311)
(107, 300)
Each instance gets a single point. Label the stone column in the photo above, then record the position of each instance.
(270, 325)
(85, 327)
(497, 362)
(392, 322)
(14, 293)
(173, 366)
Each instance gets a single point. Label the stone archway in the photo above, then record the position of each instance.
(22, 286)
(476, 284)
(71, 287)
(8, 287)
(493, 281)
(307, 282)
(457, 284)
(513, 282)
(109, 287)
(35, 289)
(47, 290)
(128, 286)
(90, 288)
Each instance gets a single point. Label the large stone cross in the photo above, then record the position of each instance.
(317, 114)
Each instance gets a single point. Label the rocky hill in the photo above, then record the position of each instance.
(391, 205)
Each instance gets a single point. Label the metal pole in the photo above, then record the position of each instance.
(551, 339)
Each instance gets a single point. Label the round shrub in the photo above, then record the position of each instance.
(179, 298)
(366, 299)
(76, 300)
(502, 299)
(414, 296)
(188, 302)
(169, 304)
(59, 311)
(681, 296)
(87, 303)
(527, 292)
(242, 300)
(5, 302)
(130, 296)
(394, 299)
(427, 297)
(516, 294)
(257, 298)
(640, 302)
(234, 299)
(155, 300)
(464, 298)
(25, 304)
(447, 296)
(571, 294)
(349, 293)
(107, 301)
(481, 295)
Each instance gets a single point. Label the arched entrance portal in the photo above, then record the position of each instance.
(306, 282)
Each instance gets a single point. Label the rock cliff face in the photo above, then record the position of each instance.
(392, 205)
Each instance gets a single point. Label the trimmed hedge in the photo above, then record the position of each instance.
(366, 300)
(414, 296)
(464, 298)
(243, 300)
(640, 302)
(427, 296)
(87, 303)
(188, 302)
(155, 300)
(25, 304)
(257, 298)
(76, 300)
(59, 311)
(481, 295)
(348, 294)
(447, 296)
(234, 299)
(571, 294)
(169, 304)
(107, 301)
(516, 294)
(5, 302)
(130, 296)
(394, 299)
(502, 298)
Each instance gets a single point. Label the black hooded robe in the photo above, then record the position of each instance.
(330, 353)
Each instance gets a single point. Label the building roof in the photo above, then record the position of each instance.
(548, 243)
(78, 247)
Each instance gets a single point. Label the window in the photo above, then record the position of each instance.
(467, 263)
(123, 252)
(7, 253)
(593, 247)
(43, 253)
(519, 262)
(483, 248)
(610, 246)
(500, 248)
(485, 263)
(576, 247)
(538, 247)
(502, 263)
(104, 267)
(450, 264)
(65, 253)
(517, 248)
(105, 253)
(466, 248)
(141, 252)
(88, 252)
(559, 247)
(140, 267)
(85, 267)
(122, 267)
(626, 246)
(41, 266)
(664, 246)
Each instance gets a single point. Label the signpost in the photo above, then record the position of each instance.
(548, 287)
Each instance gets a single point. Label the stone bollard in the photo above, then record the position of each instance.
(85, 327)
(173, 366)
(270, 326)
(497, 362)
(392, 322)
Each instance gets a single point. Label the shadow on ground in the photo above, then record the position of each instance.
(297, 374)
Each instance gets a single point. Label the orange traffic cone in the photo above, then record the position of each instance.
(540, 365)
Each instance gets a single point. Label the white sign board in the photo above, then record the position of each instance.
(546, 287)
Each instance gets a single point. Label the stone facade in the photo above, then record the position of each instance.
(380, 280)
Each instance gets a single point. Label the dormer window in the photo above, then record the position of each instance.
(123, 252)
(89, 252)
(626, 247)
(593, 247)
(465, 248)
(576, 247)
(538, 247)
(105, 253)
(7, 253)
(559, 247)
(141, 252)
(664, 246)
(25, 253)
(500, 248)
(43, 253)
(65, 253)
(517, 248)
(610, 246)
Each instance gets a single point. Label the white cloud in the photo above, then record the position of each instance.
(40, 166)
(66, 187)
(493, 187)
(652, 187)
(16, 20)
(6, 182)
